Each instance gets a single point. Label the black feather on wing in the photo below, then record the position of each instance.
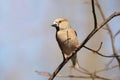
(75, 33)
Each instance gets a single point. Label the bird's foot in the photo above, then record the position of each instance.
(77, 46)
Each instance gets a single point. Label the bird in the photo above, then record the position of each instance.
(67, 39)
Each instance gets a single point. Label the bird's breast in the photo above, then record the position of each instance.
(67, 40)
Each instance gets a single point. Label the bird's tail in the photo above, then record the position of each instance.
(75, 62)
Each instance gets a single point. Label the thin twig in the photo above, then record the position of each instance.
(85, 77)
(118, 32)
(108, 64)
(110, 32)
(72, 76)
(107, 68)
(96, 51)
(94, 15)
(100, 46)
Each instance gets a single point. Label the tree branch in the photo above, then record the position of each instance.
(117, 33)
(94, 15)
(96, 29)
(100, 53)
(110, 32)
(83, 43)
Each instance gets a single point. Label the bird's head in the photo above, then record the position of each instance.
(60, 24)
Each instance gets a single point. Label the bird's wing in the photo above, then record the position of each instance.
(75, 32)
(58, 42)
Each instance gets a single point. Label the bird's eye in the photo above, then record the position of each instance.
(60, 21)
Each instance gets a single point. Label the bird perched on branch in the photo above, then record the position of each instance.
(67, 39)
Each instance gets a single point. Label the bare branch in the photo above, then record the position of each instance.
(107, 68)
(118, 32)
(90, 75)
(96, 29)
(108, 64)
(96, 51)
(100, 46)
(94, 15)
(110, 31)
(43, 73)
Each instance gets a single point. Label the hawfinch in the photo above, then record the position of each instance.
(67, 39)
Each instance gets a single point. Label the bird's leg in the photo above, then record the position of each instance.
(77, 46)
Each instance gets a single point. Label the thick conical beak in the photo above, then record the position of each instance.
(54, 25)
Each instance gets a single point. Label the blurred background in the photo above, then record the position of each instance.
(27, 40)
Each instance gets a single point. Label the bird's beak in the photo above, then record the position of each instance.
(54, 25)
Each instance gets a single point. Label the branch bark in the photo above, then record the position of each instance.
(94, 15)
